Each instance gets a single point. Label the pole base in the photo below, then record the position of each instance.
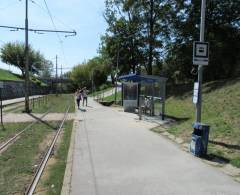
(27, 111)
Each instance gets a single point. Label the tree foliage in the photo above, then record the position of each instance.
(14, 54)
(46, 69)
(94, 72)
(159, 34)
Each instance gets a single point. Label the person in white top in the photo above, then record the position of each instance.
(84, 95)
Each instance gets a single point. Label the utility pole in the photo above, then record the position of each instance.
(26, 62)
(56, 73)
(115, 98)
(61, 79)
(200, 67)
(92, 81)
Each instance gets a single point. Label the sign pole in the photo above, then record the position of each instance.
(200, 67)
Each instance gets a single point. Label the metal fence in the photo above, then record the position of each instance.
(16, 89)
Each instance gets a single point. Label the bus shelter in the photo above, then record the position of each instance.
(147, 92)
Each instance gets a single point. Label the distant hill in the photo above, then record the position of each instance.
(7, 75)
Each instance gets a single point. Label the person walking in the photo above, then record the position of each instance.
(78, 97)
(84, 95)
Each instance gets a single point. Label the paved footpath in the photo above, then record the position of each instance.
(115, 154)
(18, 100)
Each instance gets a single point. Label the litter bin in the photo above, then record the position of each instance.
(199, 142)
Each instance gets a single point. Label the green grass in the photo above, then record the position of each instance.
(7, 75)
(58, 104)
(57, 170)
(220, 109)
(96, 93)
(112, 97)
(17, 162)
(236, 162)
(10, 129)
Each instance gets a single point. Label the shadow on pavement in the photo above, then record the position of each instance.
(82, 109)
(216, 158)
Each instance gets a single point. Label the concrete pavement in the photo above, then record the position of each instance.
(115, 154)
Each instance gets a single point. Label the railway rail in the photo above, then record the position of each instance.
(42, 165)
(14, 138)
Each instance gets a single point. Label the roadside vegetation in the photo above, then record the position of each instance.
(221, 110)
(102, 90)
(112, 97)
(56, 104)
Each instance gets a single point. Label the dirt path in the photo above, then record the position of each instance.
(21, 117)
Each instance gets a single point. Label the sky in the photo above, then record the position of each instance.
(85, 17)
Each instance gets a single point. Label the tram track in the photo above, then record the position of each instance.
(33, 185)
(7, 143)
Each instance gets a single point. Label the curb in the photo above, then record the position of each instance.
(66, 187)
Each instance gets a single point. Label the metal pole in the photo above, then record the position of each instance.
(26, 62)
(200, 67)
(1, 107)
(61, 79)
(56, 73)
(92, 74)
(116, 74)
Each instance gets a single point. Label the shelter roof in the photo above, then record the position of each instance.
(142, 78)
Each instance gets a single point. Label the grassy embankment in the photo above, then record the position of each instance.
(112, 97)
(100, 93)
(220, 109)
(7, 75)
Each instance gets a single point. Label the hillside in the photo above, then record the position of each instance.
(221, 110)
(7, 75)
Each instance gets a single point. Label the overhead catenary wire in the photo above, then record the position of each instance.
(60, 40)
(16, 28)
(54, 17)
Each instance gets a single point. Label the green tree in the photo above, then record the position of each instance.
(159, 34)
(46, 69)
(94, 71)
(137, 29)
(121, 43)
(14, 54)
(222, 31)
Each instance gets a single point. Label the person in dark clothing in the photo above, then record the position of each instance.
(78, 97)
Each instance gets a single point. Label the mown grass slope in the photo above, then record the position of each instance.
(7, 75)
(220, 109)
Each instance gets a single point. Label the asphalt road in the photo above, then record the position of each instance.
(115, 154)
